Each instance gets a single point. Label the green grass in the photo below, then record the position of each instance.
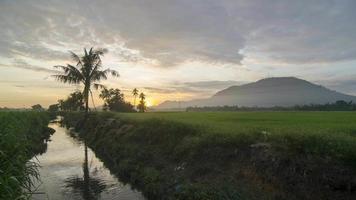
(236, 122)
(228, 155)
(21, 136)
(326, 133)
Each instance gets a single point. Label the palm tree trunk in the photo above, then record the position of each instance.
(135, 102)
(92, 99)
(86, 186)
(86, 106)
(86, 98)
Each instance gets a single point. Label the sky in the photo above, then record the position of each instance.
(175, 49)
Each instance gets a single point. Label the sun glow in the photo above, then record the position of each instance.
(151, 102)
(148, 103)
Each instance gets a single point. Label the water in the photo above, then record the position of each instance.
(66, 173)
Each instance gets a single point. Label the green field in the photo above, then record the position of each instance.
(228, 155)
(326, 133)
(274, 122)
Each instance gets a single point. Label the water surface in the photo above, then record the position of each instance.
(66, 173)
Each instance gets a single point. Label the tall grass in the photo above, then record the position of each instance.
(21, 137)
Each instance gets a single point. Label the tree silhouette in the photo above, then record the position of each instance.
(114, 100)
(74, 102)
(142, 105)
(87, 71)
(37, 107)
(135, 93)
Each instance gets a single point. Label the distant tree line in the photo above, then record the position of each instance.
(337, 106)
(114, 100)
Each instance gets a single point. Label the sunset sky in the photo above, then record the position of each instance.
(175, 49)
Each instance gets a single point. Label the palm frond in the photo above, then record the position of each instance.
(66, 79)
(76, 58)
(96, 67)
(64, 68)
(101, 51)
(85, 52)
(112, 72)
(99, 75)
(70, 74)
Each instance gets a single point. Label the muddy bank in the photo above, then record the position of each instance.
(169, 160)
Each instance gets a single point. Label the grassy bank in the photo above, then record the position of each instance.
(255, 155)
(22, 135)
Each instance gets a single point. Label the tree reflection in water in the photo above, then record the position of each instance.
(89, 187)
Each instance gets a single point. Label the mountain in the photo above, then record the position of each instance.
(278, 91)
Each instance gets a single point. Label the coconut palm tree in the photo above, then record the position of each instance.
(142, 96)
(142, 105)
(86, 71)
(135, 93)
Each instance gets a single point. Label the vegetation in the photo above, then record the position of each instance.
(22, 135)
(337, 106)
(37, 107)
(114, 100)
(135, 93)
(74, 102)
(87, 72)
(53, 108)
(142, 104)
(229, 155)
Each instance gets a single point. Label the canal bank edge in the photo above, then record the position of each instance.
(171, 160)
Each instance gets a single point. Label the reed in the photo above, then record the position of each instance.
(22, 135)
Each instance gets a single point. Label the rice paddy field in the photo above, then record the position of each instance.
(229, 155)
(274, 122)
(326, 133)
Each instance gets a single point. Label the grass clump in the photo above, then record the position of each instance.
(22, 135)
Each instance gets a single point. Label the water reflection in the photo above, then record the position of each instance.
(70, 170)
(88, 186)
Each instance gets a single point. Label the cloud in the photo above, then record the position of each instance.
(159, 90)
(169, 32)
(302, 32)
(345, 84)
(21, 64)
(213, 84)
(201, 88)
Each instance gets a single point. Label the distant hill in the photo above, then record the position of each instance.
(279, 91)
